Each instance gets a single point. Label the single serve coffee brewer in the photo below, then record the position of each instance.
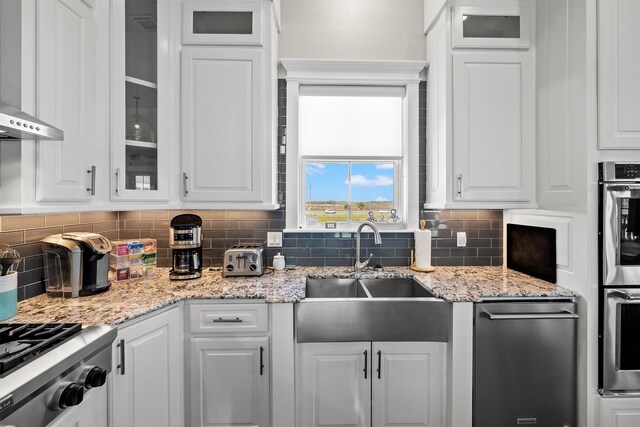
(185, 241)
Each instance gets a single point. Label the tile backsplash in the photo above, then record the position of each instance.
(222, 229)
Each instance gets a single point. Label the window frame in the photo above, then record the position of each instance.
(404, 74)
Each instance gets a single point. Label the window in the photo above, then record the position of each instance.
(352, 144)
(345, 193)
(350, 140)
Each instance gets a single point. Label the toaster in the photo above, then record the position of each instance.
(245, 259)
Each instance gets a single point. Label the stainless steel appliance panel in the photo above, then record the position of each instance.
(621, 234)
(621, 351)
(524, 364)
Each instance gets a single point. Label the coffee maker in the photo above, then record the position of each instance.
(185, 239)
(76, 264)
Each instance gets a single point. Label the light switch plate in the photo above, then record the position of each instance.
(462, 239)
(274, 239)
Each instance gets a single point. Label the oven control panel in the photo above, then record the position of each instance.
(619, 171)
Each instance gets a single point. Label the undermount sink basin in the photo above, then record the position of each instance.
(396, 288)
(334, 288)
(370, 309)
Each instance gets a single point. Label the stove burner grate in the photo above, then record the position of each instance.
(21, 342)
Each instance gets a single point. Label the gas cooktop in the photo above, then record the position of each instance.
(47, 368)
(20, 343)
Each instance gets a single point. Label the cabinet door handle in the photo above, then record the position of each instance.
(221, 320)
(459, 185)
(117, 173)
(365, 365)
(121, 365)
(184, 184)
(379, 363)
(261, 360)
(92, 188)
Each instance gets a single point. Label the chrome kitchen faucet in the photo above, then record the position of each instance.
(377, 239)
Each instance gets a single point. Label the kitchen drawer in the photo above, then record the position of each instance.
(228, 318)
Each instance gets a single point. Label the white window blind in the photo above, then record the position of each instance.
(351, 121)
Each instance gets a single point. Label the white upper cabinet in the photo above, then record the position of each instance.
(619, 74)
(493, 122)
(140, 101)
(55, 59)
(481, 108)
(66, 97)
(229, 89)
(222, 96)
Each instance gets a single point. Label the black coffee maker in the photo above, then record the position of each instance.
(185, 239)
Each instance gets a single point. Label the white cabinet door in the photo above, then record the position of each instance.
(408, 384)
(335, 384)
(437, 115)
(148, 381)
(619, 73)
(142, 112)
(66, 98)
(92, 412)
(223, 138)
(619, 412)
(229, 381)
(493, 126)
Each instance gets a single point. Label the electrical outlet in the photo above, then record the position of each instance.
(274, 239)
(462, 238)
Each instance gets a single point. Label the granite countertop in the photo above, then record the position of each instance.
(127, 300)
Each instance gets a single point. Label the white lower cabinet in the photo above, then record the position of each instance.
(371, 384)
(336, 386)
(92, 412)
(228, 371)
(229, 382)
(147, 373)
(619, 412)
(408, 384)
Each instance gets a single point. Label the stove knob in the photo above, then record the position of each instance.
(92, 377)
(69, 394)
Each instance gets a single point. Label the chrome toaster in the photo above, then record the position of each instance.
(245, 259)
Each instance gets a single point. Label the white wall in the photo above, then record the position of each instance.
(353, 29)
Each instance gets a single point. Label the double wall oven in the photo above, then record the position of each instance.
(619, 277)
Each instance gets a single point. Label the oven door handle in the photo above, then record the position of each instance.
(624, 295)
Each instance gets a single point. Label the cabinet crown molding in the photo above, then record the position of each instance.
(344, 71)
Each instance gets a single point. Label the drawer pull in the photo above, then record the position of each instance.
(221, 320)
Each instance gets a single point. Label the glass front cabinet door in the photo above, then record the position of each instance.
(505, 27)
(139, 129)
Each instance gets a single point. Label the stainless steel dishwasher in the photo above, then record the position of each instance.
(525, 363)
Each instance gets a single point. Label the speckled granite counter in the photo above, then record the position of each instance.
(128, 300)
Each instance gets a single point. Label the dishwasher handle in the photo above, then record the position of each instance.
(566, 314)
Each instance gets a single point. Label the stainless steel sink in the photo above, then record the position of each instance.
(396, 288)
(334, 288)
(370, 309)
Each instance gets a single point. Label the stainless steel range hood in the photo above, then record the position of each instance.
(16, 124)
